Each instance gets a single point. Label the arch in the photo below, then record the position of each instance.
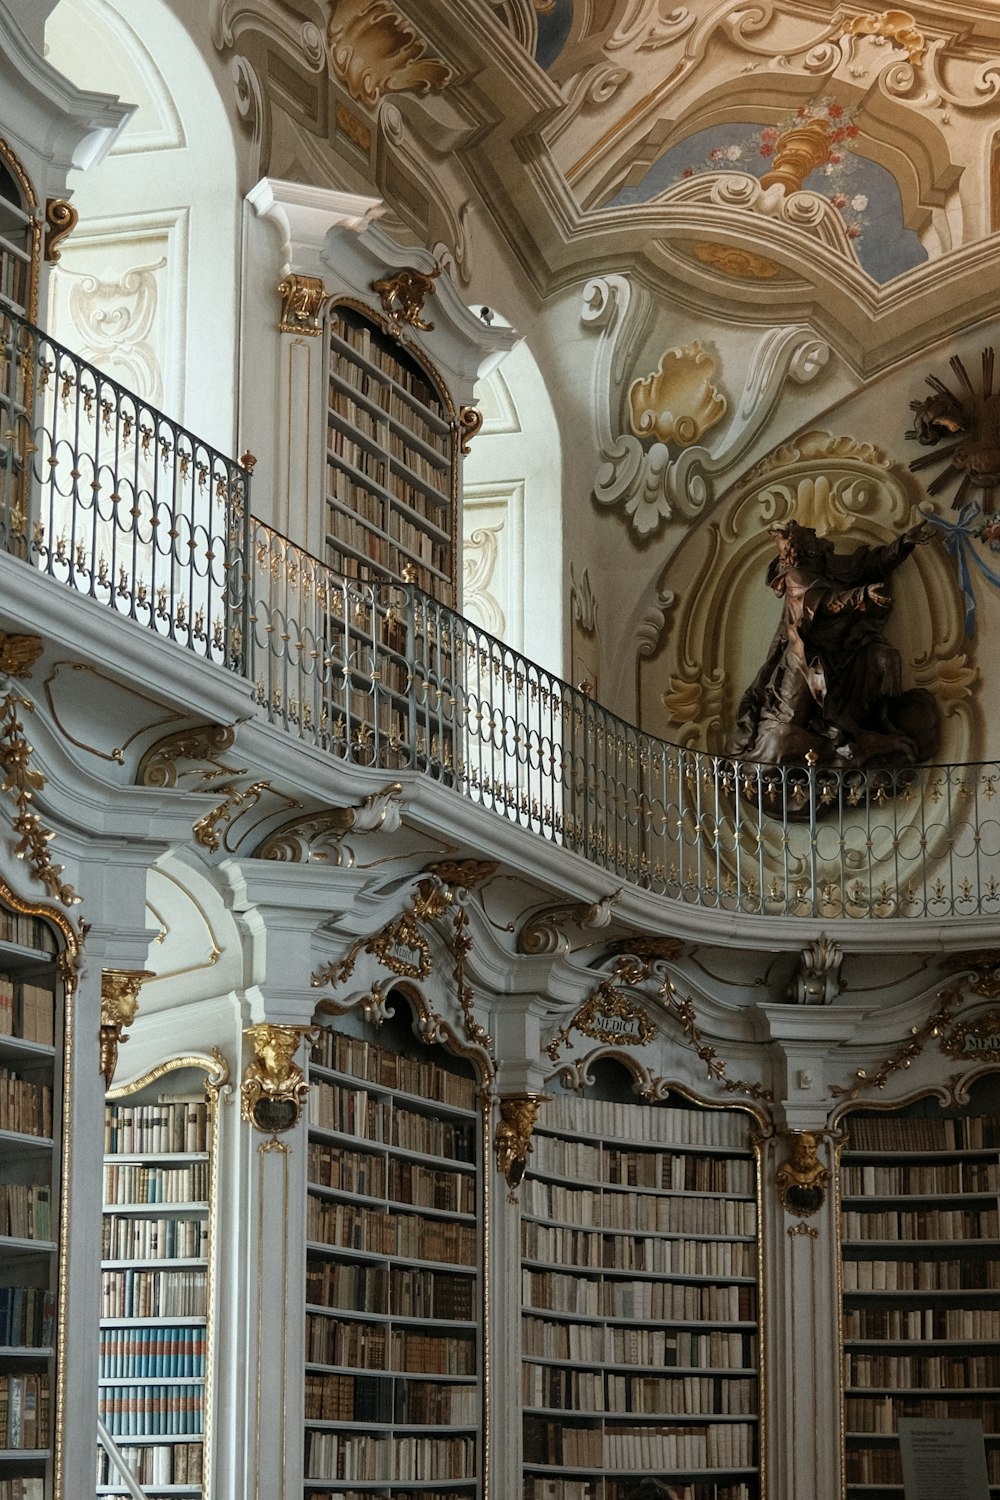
(512, 531)
(147, 284)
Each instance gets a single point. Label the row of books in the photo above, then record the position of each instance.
(374, 348)
(400, 442)
(882, 1465)
(538, 1488)
(556, 1244)
(134, 1183)
(152, 1129)
(126, 1238)
(27, 1317)
(882, 1413)
(920, 1179)
(379, 1233)
(953, 1324)
(650, 1348)
(133, 1293)
(154, 1463)
(922, 1275)
(403, 1291)
(372, 1398)
(27, 1010)
(593, 1391)
(716, 1445)
(379, 1346)
(26, 931)
(338, 1455)
(25, 1106)
(667, 1213)
(406, 1181)
(936, 1371)
(692, 1171)
(359, 381)
(25, 1411)
(922, 1224)
(373, 1117)
(883, 1133)
(152, 1410)
(357, 457)
(26, 1211)
(367, 1060)
(128, 1353)
(664, 1123)
(664, 1301)
(387, 1493)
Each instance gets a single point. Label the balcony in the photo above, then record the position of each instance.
(110, 499)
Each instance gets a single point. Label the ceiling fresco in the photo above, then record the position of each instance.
(637, 133)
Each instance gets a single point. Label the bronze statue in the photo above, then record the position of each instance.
(831, 683)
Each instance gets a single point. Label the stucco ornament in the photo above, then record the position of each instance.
(675, 473)
(678, 402)
(375, 51)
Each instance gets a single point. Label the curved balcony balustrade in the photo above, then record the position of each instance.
(382, 675)
(110, 498)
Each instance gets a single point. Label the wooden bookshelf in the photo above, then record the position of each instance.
(639, 1328)
(393, 1378)
(31, 1095)
(391, 457)
(920, 1277)
(155, 1286)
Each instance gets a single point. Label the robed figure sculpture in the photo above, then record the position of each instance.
(831, 683)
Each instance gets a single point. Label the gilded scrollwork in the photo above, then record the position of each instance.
(541, 931)
(404, 949)
(975, 1041)
(404, 293)
(274, 1086)
(204, 742)
(61, 219)
(119, 1003)
(470, 421)
(21, 782)
(317, 836)
(206, 829)
(946, 1004)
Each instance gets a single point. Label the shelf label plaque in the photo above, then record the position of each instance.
(943, 1459)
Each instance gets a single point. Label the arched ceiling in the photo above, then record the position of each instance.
(775, 160)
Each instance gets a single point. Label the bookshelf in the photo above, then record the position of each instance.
(155, 1342)
(393, 1396)
(920, 1279)
(391, 458)
(32, 1049)
(639, 1327)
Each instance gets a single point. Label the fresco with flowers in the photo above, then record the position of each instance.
(812, 148)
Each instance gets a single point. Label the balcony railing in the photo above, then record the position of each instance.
(105, 494)
(110, 498)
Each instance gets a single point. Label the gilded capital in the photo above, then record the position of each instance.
(512, 1141)
(119, 1003)
(274, 1085)
(302, 299)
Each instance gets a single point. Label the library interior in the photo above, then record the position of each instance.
(499, 855)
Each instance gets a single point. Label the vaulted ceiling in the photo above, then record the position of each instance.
(774, 161)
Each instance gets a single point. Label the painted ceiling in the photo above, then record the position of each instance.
(825, 162)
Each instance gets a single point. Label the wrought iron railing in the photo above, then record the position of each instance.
(107, 495)
(112, 499)
(382, 675)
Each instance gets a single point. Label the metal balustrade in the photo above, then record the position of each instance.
(382, 675)
(110, 498)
